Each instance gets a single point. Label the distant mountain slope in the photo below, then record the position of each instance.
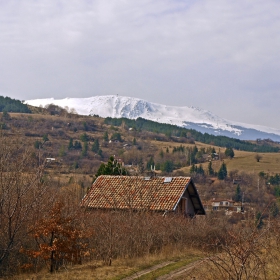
(189, 117)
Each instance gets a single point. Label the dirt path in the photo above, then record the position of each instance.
(172, 275)
(146, 271)
(181, 271)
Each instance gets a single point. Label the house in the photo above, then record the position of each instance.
(50, 159)
(222, 204)
(160, 194)
(226, 205)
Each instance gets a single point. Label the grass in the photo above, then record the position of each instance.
(168, 269)
(120, 268)
(246, 162)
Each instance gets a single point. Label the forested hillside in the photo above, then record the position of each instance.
(8, 104)
(175, 131)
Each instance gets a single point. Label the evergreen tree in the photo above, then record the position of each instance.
(210, 169)
(45, 138)
(238, 194)
(200, 170)
(70, 145)
(6, 115)
(111, 168)
(193, 169)
(95, 146)
(222, 173)
(85, 126)
(134, 141)
(85, 149)
(100, 153)
(229, 152)
(167, 166)
(117, 136)
(84, 137)
(37, 144)
(150, 163)
(77, 145)
(106, 136)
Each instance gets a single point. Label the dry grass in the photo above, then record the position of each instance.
(246, 162)
(120, 268)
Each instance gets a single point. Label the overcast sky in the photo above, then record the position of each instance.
(218, 55)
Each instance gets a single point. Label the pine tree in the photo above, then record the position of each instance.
(134, 141)
(167, 166)
(95, 146)
(193, 169)
(222, 173)
(77, 145)
(200, 170)
(84, 137)
(238, 194)
(45, 138)
(111, 168)
(150, 163)
(229, 152)
(210, 169)
(85, 149)
(70, 145)
(106, 136)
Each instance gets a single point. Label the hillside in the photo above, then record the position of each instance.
(133, 144)
(72, 147)
(204, 121)
(79, 144)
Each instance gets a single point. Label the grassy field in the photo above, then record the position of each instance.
(120, 268)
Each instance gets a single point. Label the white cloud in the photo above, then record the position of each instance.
(220, 55)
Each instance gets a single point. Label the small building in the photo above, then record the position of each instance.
(160, 194)
(226, 205)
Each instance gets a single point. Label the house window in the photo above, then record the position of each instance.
(221, 203)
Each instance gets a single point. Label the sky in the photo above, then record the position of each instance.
(221, 56)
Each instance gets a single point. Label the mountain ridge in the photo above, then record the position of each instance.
(116, 106)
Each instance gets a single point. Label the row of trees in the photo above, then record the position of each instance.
(8, 104)
(191, 134)
(221, 174)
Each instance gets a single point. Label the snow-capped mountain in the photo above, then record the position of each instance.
(189, 117)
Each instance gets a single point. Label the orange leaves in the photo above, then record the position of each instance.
(59, 237)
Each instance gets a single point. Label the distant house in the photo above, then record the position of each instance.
(225, 205)
(161, 194)
(50, 159)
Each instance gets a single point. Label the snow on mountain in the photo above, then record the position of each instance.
(190, 117)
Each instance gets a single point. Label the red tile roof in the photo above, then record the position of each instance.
(133, 192)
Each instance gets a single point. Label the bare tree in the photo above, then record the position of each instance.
(21, 191)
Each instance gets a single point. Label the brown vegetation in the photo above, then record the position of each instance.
(42, 225)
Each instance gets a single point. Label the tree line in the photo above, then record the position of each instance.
(8, 104)
(175, 131)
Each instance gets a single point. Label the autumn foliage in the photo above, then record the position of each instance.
(60, 239)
